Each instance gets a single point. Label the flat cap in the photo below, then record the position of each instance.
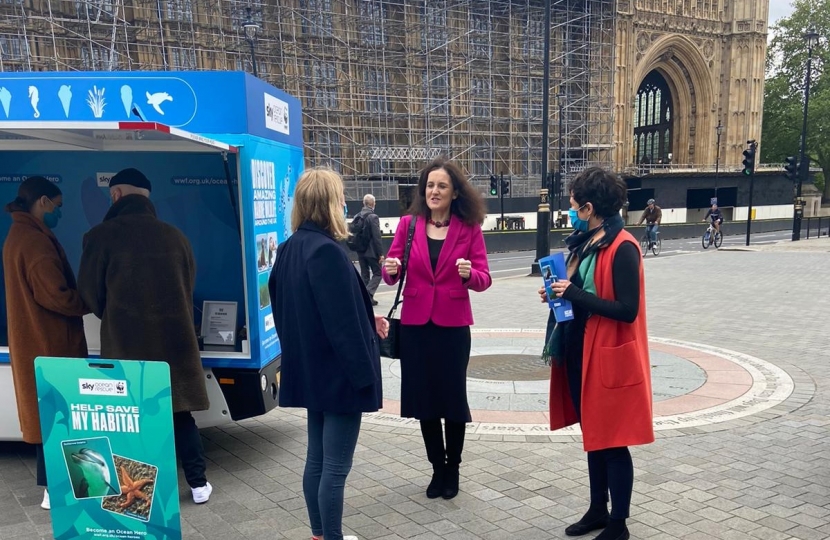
(131, 177)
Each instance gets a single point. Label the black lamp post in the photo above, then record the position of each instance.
(719, 130)
(251, 30)
(811, 37)
(561, 97)
(543, 212)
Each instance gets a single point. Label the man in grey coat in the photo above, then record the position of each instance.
(372, 258)
(137, 275)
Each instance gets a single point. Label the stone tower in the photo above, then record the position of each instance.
(683, 66)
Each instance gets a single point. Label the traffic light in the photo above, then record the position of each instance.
(494, 185)
(505, 187)
(749, 159)
(791, 169)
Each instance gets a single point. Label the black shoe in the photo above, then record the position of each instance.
(374, 302)
(594, 519)
(616, 530)
(450, 482)
(436, 485)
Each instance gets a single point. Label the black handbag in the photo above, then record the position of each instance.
(390, 347)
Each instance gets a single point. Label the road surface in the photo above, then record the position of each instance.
(517, 263)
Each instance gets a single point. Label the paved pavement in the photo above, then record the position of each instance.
(763, 476)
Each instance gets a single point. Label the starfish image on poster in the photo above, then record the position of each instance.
(137, 482)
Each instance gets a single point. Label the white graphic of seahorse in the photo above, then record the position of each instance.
(34, 98)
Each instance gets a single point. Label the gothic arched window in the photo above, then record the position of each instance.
(653, 120)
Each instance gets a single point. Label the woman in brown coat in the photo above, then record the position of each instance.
(44, 307)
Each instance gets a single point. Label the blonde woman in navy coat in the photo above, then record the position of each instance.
(329, 339)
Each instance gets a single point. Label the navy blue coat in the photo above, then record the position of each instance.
(326, 326)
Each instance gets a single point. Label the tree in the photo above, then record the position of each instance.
(784, 89)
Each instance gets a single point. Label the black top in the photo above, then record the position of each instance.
(626, 276)
(713, 214)
(626, 273)
(434, 251)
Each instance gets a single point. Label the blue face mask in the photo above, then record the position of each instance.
(50, 219)
(577, 222)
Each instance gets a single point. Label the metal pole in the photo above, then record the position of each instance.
(501, 196)
(253, 56)
(803, 165)
(559, 166)
(717, 158)
(751, 186)
(543, 213)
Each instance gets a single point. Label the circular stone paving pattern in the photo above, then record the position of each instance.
(507, 385)
(508, 367)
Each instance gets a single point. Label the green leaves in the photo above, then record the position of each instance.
(784, 87)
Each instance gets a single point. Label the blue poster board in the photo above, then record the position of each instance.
(189, 190)
(109, 449)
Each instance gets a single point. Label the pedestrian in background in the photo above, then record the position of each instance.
(600, 371)
(447, 260)
(137, 274)
(44, 307)
(371, 257)
(328, 335)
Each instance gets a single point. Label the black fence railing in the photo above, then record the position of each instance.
(816, 227)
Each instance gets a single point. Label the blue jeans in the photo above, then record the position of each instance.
(331, 442)
(652, 231)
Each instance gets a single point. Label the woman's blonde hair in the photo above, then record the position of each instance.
(318, 199)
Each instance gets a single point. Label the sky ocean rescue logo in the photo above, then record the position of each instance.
(102, 387)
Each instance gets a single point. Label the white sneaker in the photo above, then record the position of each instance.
(201, 495)
(45, 504)
(350, 538)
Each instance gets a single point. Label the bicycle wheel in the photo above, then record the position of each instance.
(705, 240)
(718, 239)
(644, 245)
(658, 245)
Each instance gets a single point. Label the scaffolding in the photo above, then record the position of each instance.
(385, 85)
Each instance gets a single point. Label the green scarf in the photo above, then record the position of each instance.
(553, 346)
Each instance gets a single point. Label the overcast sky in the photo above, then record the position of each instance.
(778, 9)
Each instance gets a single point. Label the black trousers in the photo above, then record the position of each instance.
(611, 470)
(189, 449)
(40, 465)
(433, 435)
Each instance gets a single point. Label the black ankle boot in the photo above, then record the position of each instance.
(615, 530)
(450, 482)
(595, 518)
(436, 485)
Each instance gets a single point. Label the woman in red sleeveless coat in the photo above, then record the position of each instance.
(600, 372)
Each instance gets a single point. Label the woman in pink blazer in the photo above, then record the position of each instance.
(447, 260)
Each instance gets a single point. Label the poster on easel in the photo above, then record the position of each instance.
(109, 448)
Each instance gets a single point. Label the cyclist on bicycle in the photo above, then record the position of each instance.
(652, 215)
(715, 216)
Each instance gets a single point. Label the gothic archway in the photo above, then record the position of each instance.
(653, 120)
(691, 88)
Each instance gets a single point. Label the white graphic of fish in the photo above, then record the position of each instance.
(34, 98)
(127, 99)
(5, 99)
(157, 99)
(65, 95)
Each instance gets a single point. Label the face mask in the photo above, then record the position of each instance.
(577, 223)
(50, 219)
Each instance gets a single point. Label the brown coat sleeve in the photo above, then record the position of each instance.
(50, 288)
